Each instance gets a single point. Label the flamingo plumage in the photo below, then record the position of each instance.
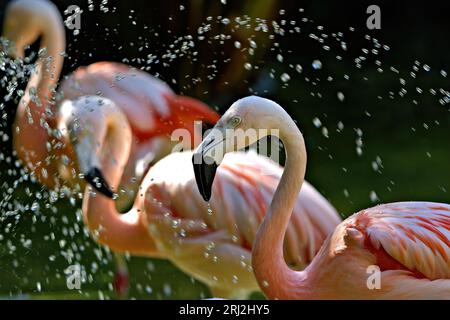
(408, 242)
(40, 130)
(170, 220)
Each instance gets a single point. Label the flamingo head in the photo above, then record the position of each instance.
(245, 122)
(100, 138)
(24, 21)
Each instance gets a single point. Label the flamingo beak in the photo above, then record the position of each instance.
(206, 159)
(95, 178)
(204, 174)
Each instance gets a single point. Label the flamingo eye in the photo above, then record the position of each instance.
(235, 121)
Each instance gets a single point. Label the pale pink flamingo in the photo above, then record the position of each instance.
(40, 136)
(408, 241)
(170, 220)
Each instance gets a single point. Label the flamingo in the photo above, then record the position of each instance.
(407, 242)
(40, 136)
(170, 220)
(150, 106)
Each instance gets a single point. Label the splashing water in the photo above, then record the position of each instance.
(40, 225)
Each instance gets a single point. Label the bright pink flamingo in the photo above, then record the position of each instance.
(170, 220)
(408, 241)
(40, 134)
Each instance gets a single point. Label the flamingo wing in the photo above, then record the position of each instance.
(243, 188)
(415, 234)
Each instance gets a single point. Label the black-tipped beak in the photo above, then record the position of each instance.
(95, 178)
(205, 171)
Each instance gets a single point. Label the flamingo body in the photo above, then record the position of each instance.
(242, 191)
(409, 242)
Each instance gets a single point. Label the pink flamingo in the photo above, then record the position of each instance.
(170, 220)
(40, 136)
(408, 242)
(150, 106)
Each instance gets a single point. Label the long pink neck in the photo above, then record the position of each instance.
(276, 279)
(48, 67)
(34, 115)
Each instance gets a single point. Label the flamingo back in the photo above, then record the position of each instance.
(139, 95)
(149, 104)
(415, 234)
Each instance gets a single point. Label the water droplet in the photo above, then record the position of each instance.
(317, 65)
(285, 77)
(346, 193)
(373, 196)
(175, 223)
(317, 123)
(167, 289)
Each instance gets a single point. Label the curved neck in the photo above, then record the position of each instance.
(50, 60)
(276, 279)
(110, 144)
(34, 114)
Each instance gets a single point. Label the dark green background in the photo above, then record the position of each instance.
(411, 140)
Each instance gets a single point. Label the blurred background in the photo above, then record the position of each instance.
(372, 104)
